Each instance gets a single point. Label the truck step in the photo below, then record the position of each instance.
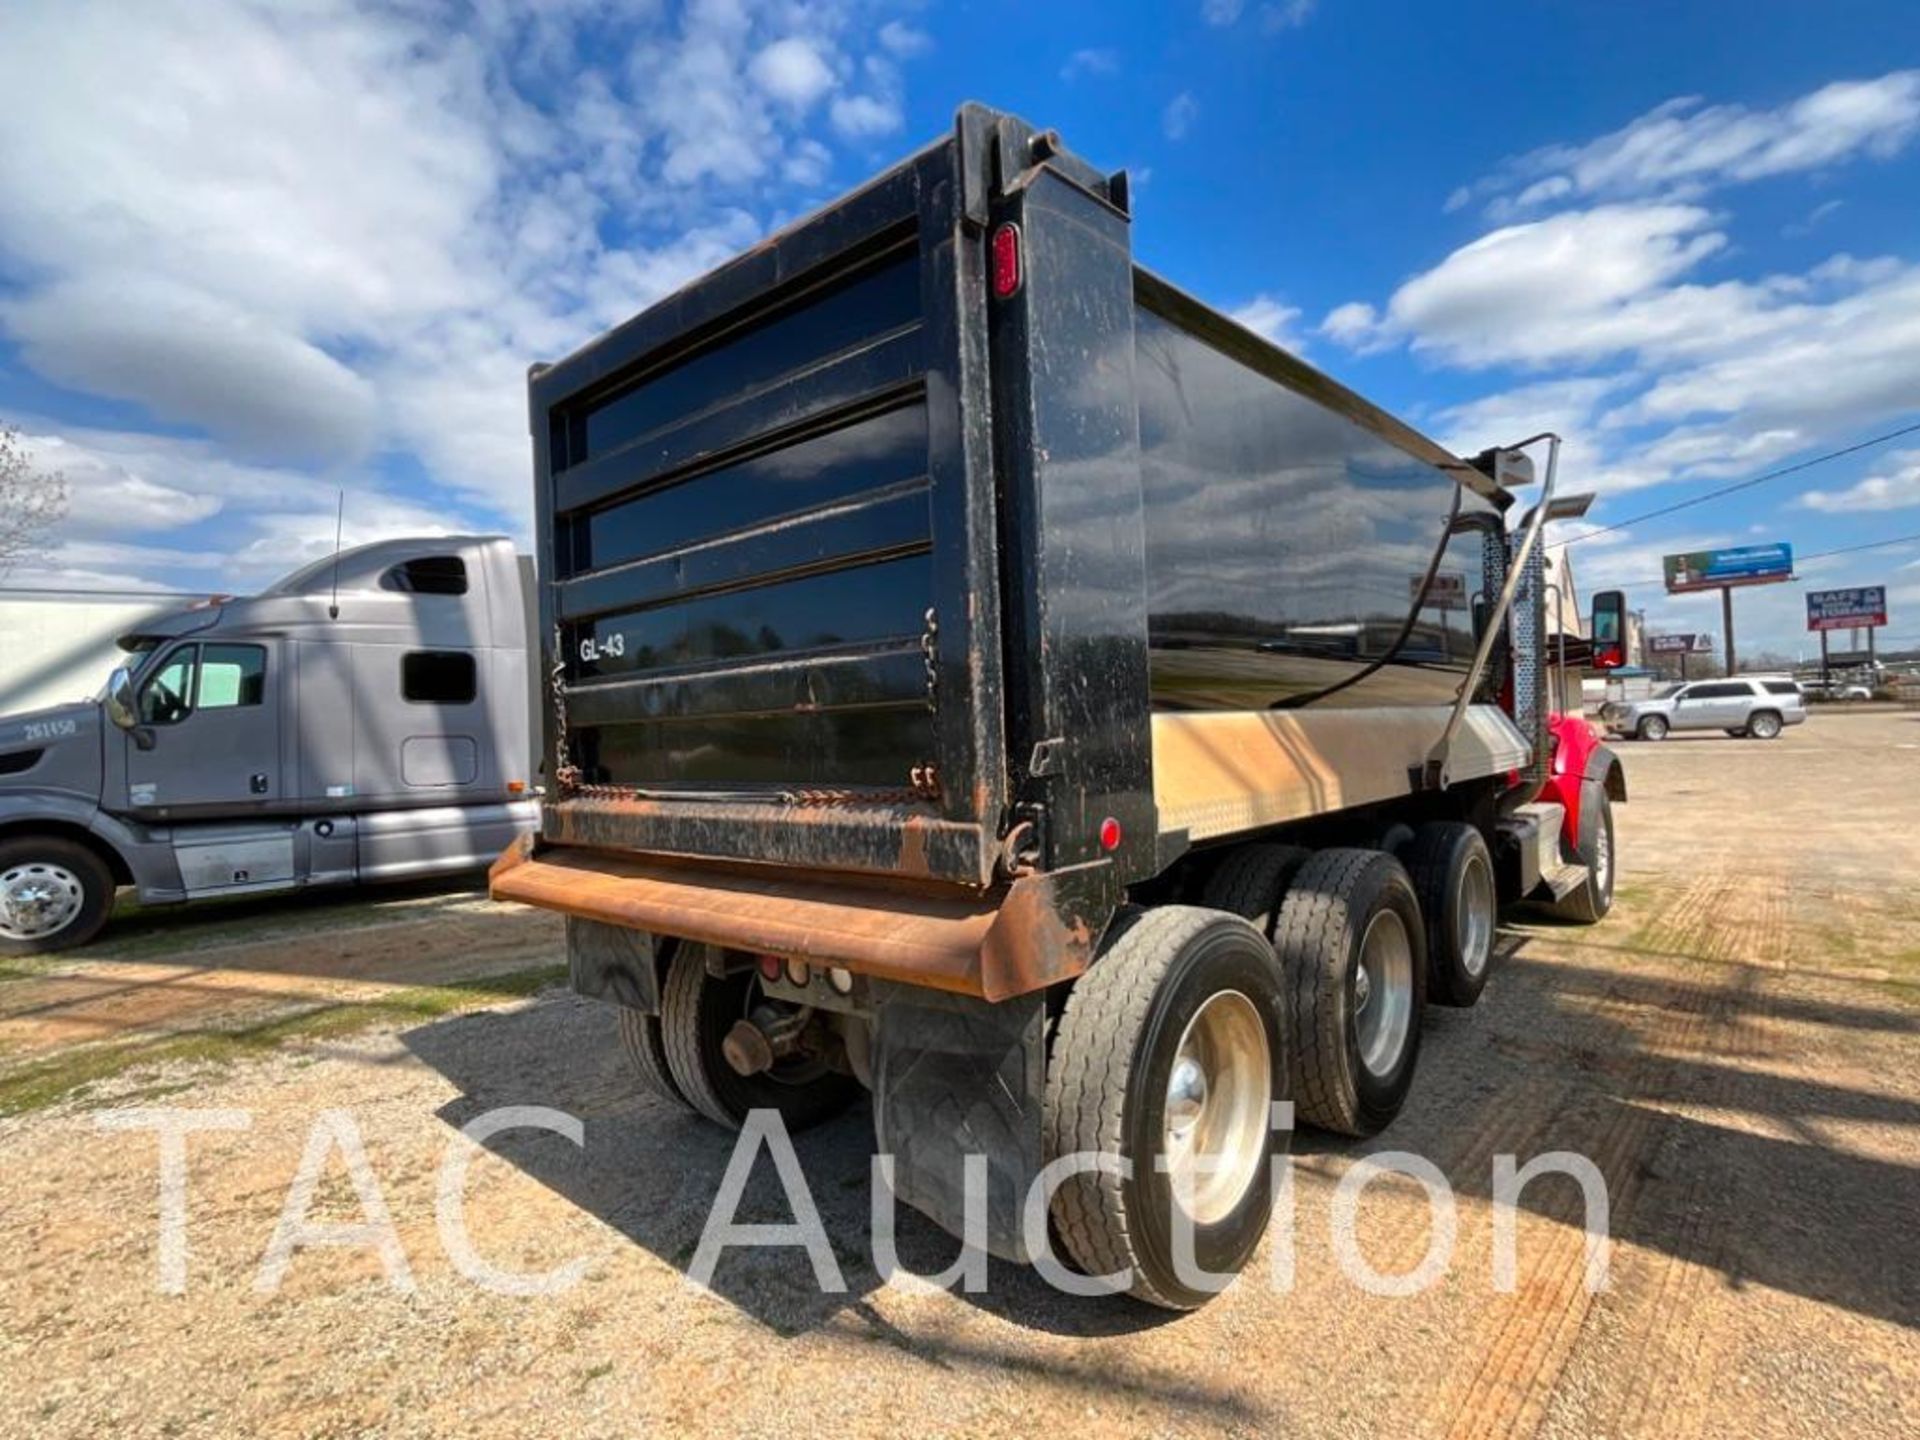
(1564, 879)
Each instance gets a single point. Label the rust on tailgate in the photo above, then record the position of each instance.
(993, 944)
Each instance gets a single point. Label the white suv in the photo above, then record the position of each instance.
(1756, 705)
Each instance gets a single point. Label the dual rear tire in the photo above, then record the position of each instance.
(678, 1055)
(1168, 1055)
(1172, 1049)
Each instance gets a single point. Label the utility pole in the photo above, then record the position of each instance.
(1826, 675)
(1726, 614)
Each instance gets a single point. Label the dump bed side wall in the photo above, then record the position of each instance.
(1286, 543)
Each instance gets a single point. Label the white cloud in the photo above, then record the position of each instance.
(1177, 119)
(904, 41)
(1221, 12)
(1893, 486)
(196, 359)
(127, 487)
(1267, 316)
(107, 494)
(791, 70)
(350, 235)
(1354, 324)
(1790, 355)
(865, 117)
(1286, 14)
(1820, 213)
(1684, 147)
(1090, 62)
(1557, 289)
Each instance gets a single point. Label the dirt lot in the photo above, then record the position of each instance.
(1735, 1048)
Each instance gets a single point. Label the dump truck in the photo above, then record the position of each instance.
(366, 718)
(983, 675)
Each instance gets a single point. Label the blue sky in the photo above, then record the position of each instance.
(252, 253)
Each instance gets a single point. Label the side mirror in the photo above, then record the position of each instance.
(120, 699)
(1608, 629)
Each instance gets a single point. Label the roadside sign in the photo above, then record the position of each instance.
(1742, 565)
(1852, 609)
(1447, 592)
(1685, 643)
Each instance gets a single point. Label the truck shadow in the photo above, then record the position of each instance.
(1765, 1196)
(652, 1170)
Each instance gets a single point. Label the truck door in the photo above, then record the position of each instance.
(208, 740)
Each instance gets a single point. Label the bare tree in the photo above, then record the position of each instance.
(32, 502)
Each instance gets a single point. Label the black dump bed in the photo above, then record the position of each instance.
(860, 565)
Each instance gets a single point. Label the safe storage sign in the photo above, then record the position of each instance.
(1861, 606)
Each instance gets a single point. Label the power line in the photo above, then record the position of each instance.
(1784, 470)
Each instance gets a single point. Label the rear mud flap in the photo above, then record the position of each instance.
(954, 1077)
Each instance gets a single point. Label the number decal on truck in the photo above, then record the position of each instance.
(614, 646)
(51, 729)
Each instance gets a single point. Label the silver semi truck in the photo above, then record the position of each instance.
(988, 676)
(367, 718)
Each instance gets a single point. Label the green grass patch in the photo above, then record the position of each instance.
(57, 1078)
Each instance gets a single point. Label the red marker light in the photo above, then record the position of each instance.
(1109, 834)
(1006, 261)
(770, 967)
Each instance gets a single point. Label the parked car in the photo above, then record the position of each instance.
(1759, 706)
(1837, 690)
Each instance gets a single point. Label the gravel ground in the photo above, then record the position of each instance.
(1734, 1048)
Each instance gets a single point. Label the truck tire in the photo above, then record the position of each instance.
(1452, 874)
(1172, 1045)
(1252, 881)
(1763, 725)
(1393, 839)
(1652, 727)
(696, 1012)
(640, 1037)
(1352, 944)
(1590, 903)
(54, 894)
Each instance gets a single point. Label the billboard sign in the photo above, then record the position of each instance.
(1683, 644)
(1742, 565)
(1861, 606)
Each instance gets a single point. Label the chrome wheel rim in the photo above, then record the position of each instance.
(1218, 1095)
(1473, 914)
(1602, 856)
(1383, 993)
(1765, 727)
(38, 899)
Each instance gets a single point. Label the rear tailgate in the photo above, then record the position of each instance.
(766, 515)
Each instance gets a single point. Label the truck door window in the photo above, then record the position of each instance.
(438, 677)
(230, 676)
(167, 697)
